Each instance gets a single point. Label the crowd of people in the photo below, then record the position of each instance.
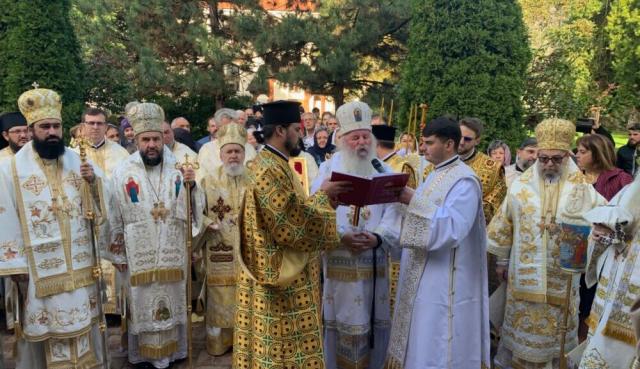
(480, 261)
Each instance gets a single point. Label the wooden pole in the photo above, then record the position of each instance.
(565, 320)
(390, 114)
(189, 240)
(90, 215)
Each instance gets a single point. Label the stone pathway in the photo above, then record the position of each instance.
(201, 359)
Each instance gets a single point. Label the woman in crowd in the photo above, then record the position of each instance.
(321, 148)
(499, 151)
(408, 144)
(596, 158)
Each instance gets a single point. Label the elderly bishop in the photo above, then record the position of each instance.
(46, 242)
(148, 221)
(356, 286)
(525, 235)
(224, 191)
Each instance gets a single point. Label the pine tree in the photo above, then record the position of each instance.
(469, 58)
(37, 44)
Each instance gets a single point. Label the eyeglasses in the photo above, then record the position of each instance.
(467, 138)
(556, 159)
(18, 131)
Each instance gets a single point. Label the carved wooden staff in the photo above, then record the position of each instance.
(189, 240)
(88, 197)
(564, 328)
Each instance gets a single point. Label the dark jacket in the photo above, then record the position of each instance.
(626, 159)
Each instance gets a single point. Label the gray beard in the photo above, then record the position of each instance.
(550, 177)
(233, 170)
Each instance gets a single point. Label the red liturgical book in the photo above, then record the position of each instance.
(371, 191)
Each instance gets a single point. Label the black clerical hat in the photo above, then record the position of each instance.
(383, 132)
(281, 112)
(10, 120)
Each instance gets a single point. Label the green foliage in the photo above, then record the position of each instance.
(37, 44)
(624, 22)
(468, 58)
(172, 52)
(350, 46)
(569, 70)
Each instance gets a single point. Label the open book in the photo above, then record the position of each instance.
(371, 191)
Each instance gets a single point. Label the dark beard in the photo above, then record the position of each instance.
(14, 147)
(150, 162)
(294, 149)
(48, 149)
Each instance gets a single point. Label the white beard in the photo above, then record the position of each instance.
(354, 164)
(233, 169)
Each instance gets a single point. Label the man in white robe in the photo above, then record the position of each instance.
(46, 242)
(13, 127)
(544, 203)
(441, 317)
(148, 219)
(178, 149)
(353, 337)
(613, 263)
(209, 154)
(106, 155)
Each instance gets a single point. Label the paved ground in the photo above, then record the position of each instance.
(201, 360)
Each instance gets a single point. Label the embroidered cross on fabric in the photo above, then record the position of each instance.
(220, 208)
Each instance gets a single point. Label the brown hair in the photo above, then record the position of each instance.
(603, 153)
(93, 112)
(473, 124)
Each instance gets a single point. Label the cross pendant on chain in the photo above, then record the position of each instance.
(159, 212)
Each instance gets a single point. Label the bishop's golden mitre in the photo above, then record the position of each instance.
(555, 134)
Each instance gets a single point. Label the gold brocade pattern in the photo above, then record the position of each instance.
(526, 230)
(224, 195)
(399, 164)
(278, 322)
(60, 211)
(494, 185)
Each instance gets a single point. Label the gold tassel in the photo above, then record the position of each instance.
(158, 352)
(64, 283)
(157, 275)
(620, 333)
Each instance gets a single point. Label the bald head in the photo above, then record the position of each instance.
(181, 122)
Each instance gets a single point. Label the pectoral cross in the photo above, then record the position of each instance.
(548, 224)
(159, 212)
(220, 208)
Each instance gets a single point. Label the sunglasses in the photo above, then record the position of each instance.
(467, 138)
(557, 159)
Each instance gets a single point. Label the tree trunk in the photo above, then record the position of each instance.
(338, 96)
